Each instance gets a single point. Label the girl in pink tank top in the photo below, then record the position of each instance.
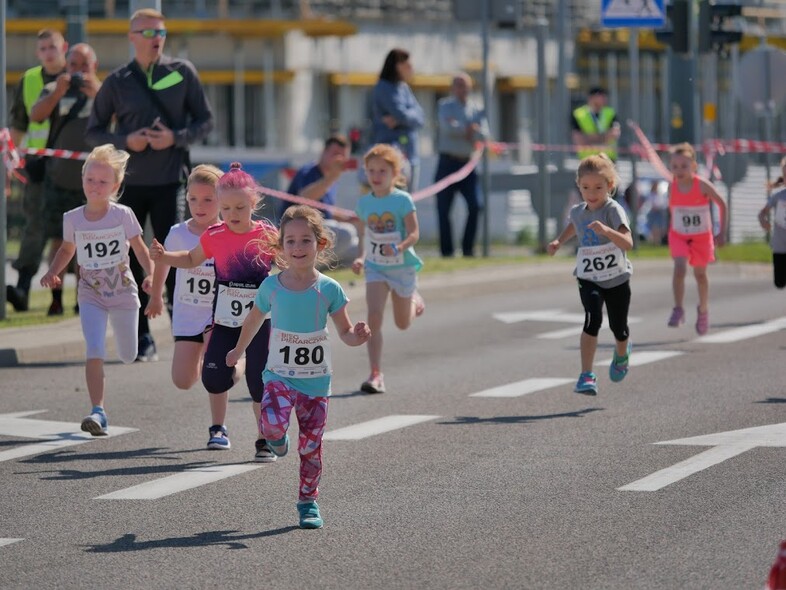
(691, 232)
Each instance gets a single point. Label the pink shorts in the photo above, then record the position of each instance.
(699, 250)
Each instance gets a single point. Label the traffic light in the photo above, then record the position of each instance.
(714, 32)
(677, 32)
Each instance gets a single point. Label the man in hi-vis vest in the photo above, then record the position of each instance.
(595, 124)
(50, 51)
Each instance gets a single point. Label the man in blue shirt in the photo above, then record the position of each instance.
(318, 181)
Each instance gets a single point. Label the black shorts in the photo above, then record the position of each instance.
(195, 338)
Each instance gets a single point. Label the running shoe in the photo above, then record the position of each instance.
(280, 447)
(374, 384)
(587, 383)
(263, 452)
(310, 518)
(702, 322)
(146, 349)
(96, 423)
(677, 317)
(619, 365)
(219, 440)
(55, 308)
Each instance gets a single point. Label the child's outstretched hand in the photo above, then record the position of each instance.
(552, 247)
(156, 251)
(357, 265)
(233, 356)
(147, 284)
(154, 307)
(51, 280)
(362, 332)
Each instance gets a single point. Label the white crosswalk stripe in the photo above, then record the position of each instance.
(744, 332)
(378, 426)
(8, 541)
(523, 387)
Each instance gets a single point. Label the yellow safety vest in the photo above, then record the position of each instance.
(32, 85)
(587, 124)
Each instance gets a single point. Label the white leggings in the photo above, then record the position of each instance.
(125, 323)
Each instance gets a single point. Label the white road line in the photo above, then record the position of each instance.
(378, 426)
(660, 479)
(645, 357)
(523, 387)
(559, 334)
(179, 482)
(8, 541)
(42, 447)
(542, 315)
(744, 332)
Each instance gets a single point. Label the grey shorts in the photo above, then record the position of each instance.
(404, 281)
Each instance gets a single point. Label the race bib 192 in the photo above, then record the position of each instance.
(374, 242)
(299, 355)
(100, 248)
(691, 220)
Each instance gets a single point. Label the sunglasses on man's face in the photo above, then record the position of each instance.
(151, 33)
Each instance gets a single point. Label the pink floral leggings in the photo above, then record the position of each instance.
(311, 412)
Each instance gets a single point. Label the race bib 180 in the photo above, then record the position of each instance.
(299, 355)
(233, 304)
(100, 248)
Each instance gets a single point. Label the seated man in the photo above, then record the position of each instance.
(317, 181)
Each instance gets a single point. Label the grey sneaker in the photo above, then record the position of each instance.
(263, 453)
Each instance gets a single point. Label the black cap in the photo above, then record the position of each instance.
(595, 90)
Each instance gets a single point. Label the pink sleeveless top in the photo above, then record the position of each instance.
(690, 212)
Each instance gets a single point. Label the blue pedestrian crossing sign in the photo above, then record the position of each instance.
(646, 14)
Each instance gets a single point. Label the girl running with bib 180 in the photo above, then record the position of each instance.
(299, 300)
(240, 268)
(777, 203)
(192, 309)
(602, 268)
(690, 233)
(389, 230)
(99, 233)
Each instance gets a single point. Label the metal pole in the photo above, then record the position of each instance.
(769, 109)
(485, 177)
(544, 184)
(633, 58)
(76, 21)
(563, 105)
(3, 123)
(239, 97)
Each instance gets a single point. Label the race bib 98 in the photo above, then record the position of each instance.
(691, 220)
(100, 248)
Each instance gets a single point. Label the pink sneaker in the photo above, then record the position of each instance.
(702, 322)
(677, 317)
(374, 384)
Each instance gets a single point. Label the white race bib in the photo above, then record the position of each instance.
(600, 263)
(196, 286)
(299, 355)
(374, 243)
(691, 220)
(100, 248)
(780, 213)
(233, 304)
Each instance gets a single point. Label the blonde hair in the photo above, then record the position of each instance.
(146, 13)
(313, 218)
(683, 149)
(107, 154)
(779, 181)
(601, 165)
(204, 174)
(391, 156)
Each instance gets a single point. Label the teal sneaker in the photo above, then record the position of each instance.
(587, 383)
(97, 422)
(309, 515)
(619, 365)
(279, 447)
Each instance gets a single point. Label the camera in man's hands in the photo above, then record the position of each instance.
(77, 81)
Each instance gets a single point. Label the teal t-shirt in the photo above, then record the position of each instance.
(383, 219)
(300, 312)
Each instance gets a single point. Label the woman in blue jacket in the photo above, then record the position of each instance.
(396, 114)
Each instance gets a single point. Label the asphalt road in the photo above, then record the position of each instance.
(494, 492)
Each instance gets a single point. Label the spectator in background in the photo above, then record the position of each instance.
(596, 124)
(461, 125)
(50, 51)
(317, 181)
(65, 104)
(396, 115)
(160, 108)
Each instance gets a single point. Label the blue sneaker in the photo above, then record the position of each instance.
(218, 438)
(587, 383)
(619, 365)
(96, 423)
(309, 515)
(279, 447)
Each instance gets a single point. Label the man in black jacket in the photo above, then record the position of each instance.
(161, 108)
